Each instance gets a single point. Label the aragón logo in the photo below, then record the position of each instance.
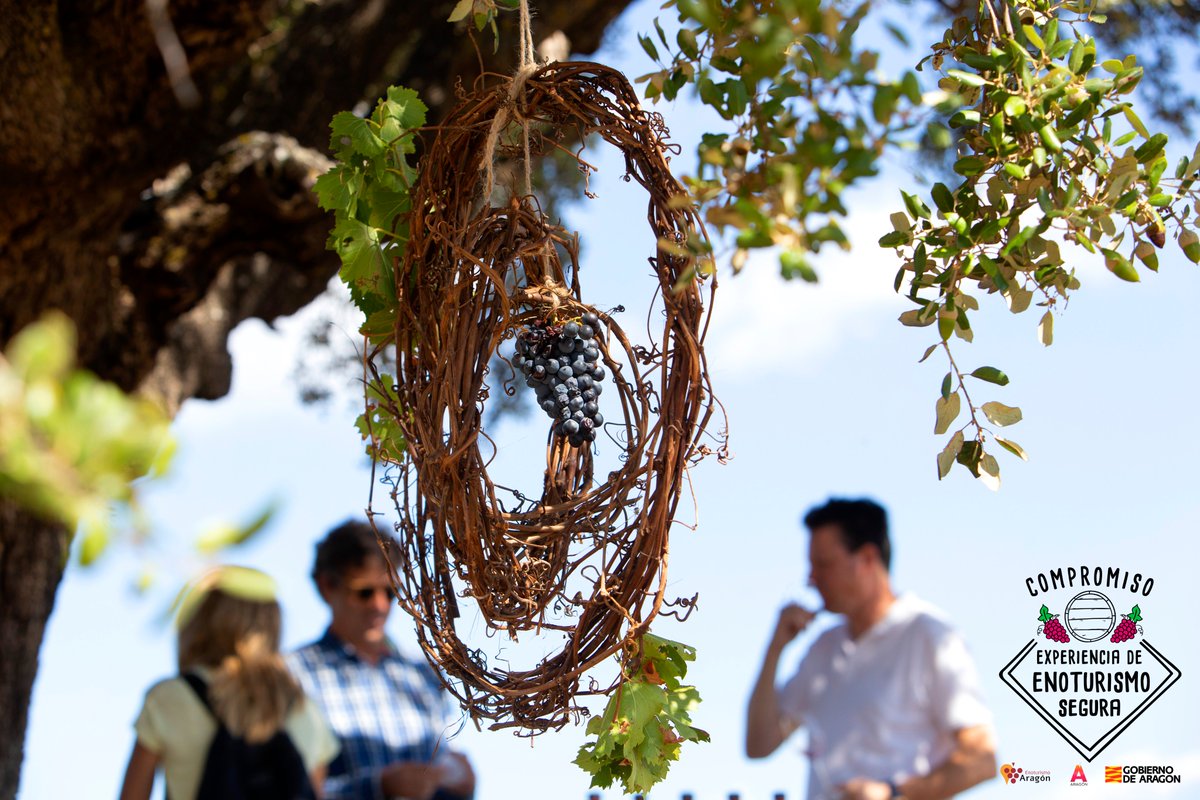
(1011, 773)
(1078, 777)
(1089, 671)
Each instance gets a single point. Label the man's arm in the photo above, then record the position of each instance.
(764, 722)
(972, 761)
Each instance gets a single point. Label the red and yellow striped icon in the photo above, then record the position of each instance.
(1112, 774)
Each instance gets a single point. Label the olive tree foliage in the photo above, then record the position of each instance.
(1050, 163)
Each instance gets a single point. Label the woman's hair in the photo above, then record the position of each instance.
(250, 688)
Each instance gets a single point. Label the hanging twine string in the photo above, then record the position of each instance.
(526, 67)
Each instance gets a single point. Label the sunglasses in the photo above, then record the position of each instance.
(367, 593)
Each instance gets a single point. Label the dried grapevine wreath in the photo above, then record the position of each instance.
(474, 275)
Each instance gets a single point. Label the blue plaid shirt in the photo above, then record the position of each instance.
(382, 713)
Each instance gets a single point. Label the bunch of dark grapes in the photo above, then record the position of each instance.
(561, 364)
(1127, 628)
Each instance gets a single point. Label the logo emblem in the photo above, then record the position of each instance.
(1112, 774)
(1078, 778)
(1010, 772)
(1089, 671)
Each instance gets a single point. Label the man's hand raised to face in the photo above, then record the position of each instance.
(793, 619)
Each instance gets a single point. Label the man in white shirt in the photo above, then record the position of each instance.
(890, 698)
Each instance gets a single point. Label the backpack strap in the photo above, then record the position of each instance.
(199, 687)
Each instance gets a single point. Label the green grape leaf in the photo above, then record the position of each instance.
(339, 189)
(378, 425)
(405, 107)
(351, 135)
(646, 719)
(365, 265)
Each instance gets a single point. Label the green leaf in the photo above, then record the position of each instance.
(1014, 106)
(1190, 244)
(1136, 122)
(351, 135)
(1050, 139)
(969, 166)
(913, 318)
(1018, 299)
(947, 383)
(949, 454)
(947, 409)
(224, 535)
(989, 472)
(1019, 240)
(365, 266)
(968, 78)
(942, 197)
(1001, 414)
(1150, 148)
(1032, 35)
(72, 445)
(461, 10)
(969, 456)
(406, 107)
(1136, 614)
(916, 209)
(1045, 615)
(1119, 265)
(793, 264)
(93, 545)
(894, 239)
(1046, 329)
(648, 716)
(686, 39)
(648, 45)
(1013, 448)
(338, 189)
(991, 375)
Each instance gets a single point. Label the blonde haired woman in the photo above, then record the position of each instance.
(229, 639)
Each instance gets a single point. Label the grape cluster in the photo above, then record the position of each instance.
(560, 363)
(1054, 630)
(1126, 629)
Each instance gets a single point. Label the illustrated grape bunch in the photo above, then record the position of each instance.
(1053, 627)
(1128, 627)
(560, 363)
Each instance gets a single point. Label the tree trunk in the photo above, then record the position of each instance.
(33, 553)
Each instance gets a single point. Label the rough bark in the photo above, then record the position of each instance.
(32, 555)
(158, 228)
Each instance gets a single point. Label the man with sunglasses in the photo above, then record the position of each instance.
(388, 711)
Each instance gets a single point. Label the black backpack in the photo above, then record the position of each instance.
(234, 769)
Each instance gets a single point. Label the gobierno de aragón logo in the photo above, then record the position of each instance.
(1089, 671)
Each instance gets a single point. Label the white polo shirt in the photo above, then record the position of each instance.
(885, 706)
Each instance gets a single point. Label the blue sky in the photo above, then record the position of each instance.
(824, 397)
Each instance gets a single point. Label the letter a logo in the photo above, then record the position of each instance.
(1078, 776)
